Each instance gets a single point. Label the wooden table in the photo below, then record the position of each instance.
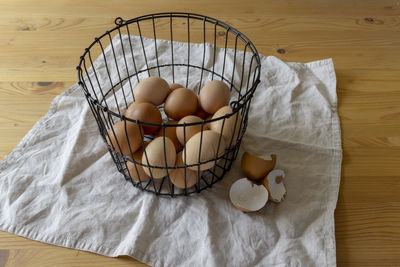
(41, 41)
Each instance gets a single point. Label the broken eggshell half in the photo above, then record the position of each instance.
(274, 184)
(247, 196)
(256, 168)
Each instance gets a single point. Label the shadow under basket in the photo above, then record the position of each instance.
(183, 48)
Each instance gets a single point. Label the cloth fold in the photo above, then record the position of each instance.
(60, 185)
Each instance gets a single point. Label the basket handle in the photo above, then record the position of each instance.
(119, 21)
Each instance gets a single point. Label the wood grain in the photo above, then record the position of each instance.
(41, 41)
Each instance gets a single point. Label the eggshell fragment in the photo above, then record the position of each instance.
(170, 132)
(209, 147)
(177, 176)
(248, 197)
(145, 112)
(137, 172)
(152, 89)
(231, 126)
(157, 158)
(180, 103)
(256, 168)
(274, 184)
(184, 133)
(120, 140)
(213, 96)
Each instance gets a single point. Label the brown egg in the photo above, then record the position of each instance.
(180, 103)
(213, 96)
(256, 168)
(158, 158)
(229, 129)
(145, 112)
(174, 86)
(200, 112)
(170, 132)
(177, 176)
(117, 137)
(189, 131)
(153, 90)
(209, 148)
(137, 172)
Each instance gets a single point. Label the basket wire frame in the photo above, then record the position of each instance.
(107, 114)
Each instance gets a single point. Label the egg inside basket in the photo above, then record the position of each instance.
(170, 93)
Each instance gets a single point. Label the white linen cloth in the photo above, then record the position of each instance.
(60, 185)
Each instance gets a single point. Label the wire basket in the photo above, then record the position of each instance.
(167, 45)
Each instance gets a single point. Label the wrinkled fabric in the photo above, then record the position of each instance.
(60, 185)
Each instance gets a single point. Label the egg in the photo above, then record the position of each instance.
(153, 90)
(174, 86)
(213, 96)
(157, 158)
(180, 103)
(117, 137)
(200, 112)
(230, 132)
(170, 132)
(137, 172)
(188, 131)
(209, 147)
(177, 176)
(144, 112)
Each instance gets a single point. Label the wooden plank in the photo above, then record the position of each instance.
(274, 24)
(368, 190)
(368, 233)
(51, 256)
(126, 8)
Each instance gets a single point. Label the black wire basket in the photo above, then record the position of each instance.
(180, 47)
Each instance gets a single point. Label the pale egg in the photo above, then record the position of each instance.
(184, 133)
(183, 177)
(170, 132)
(213, 96)
(156, 156)
(231, 127)
(212, 146)
(152, 89)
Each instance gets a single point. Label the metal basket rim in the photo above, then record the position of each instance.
(120, 23)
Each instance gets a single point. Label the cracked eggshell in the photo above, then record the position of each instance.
(247, 196)
(256, 168)
(155, 155)
(274, 184)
